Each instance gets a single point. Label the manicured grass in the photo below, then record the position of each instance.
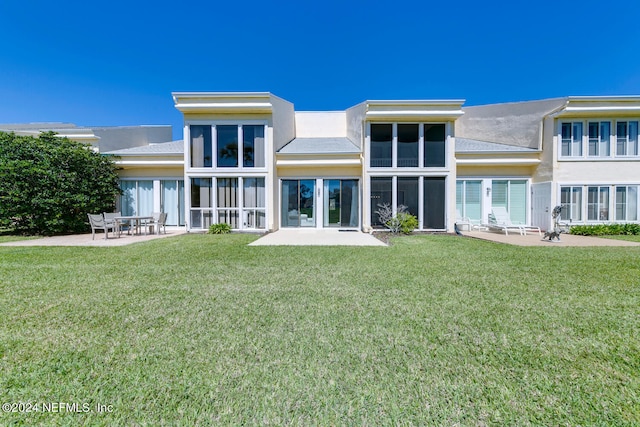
(434, 330)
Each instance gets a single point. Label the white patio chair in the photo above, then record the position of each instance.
(463, 222)
(98, 223)
(110, 218)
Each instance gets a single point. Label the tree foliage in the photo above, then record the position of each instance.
(49, 184)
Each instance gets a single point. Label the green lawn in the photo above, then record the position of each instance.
(434, 330)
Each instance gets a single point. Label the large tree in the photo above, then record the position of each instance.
(48, 184)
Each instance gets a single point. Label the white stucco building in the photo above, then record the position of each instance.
(251, 160)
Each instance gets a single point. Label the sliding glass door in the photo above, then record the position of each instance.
(340, 203)
(298, 203)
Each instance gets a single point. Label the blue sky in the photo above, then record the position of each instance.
(117, 62)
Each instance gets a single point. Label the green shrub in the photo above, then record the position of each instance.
(49, 184)
(222, 228)
(606, 229)
(408, 222)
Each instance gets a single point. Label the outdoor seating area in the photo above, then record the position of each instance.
(116, 223)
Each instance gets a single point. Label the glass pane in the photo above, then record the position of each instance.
(290, 200)
(434, 203)
(632, 203)
(633, 139)
(332, 202)
(621, 139)
(201, 148)
(254, 193)
(605, 136)
(227, 137)
(307, 207)
(603, 204)
(407, 145)
(381, 145)
(170, 201)
(408, 194)
(518, 201)
(594, 138)
(200, 192)
(227, 192)
(592, 204)
(349, 196)
(253, 146)
(576, 144)
(434, 145)
(129, 197)
(621, 203)
(381, 193)
(566, 139)
(473, 202)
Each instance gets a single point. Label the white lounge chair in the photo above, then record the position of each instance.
(499, 219)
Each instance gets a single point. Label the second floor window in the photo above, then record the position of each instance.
(235, 146)
(399, 145)
(599, 138)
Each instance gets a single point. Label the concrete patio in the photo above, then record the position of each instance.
(99, 241)
(316, 237)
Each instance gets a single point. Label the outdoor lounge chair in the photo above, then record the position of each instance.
(98, 223)
(499, 219)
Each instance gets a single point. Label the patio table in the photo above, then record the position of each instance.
(135, 221)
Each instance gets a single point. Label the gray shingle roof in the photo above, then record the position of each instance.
(173, 147)
(465, 145)
(336, 145)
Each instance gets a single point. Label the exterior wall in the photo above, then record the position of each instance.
(121, 137)
(518, 123)
(283, 123)
(321, 124)
(355, 124)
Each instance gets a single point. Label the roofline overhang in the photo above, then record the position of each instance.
(310, 163)
(498, 162)
(224, 102)
(398, 110)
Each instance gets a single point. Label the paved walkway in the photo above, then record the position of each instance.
(533, 239)
(315, 237)
(85, 239)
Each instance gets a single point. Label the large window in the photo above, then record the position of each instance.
(254, 203)
(603, 138)
(137, 197)
(381, 145)
(627, 203)
(172, 200)
(597, 203)
(408, 139)
(381, 193)
(235, 146)
(406, 191)
(627, 139)
(434, 203)
(511, 195)
(572, 139)
(599, 139)
(201, 202)
(227, 201)
(400, 145)
(200, 146)
(571, 202)
(469, 199)
(434, 145)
